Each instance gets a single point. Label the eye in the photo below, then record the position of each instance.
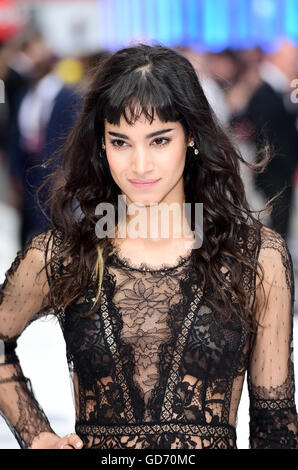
(117, 142)
(159, 139)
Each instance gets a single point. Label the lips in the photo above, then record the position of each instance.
(143, 184)
(143, 181)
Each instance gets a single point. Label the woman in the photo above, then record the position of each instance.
(158, 337)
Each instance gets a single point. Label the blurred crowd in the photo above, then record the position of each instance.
(252, 94)
(43, 95)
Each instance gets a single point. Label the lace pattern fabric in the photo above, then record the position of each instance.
(273, 415)
(155, 367)
(22, 300)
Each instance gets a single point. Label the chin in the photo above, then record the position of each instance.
(144, 200)
(145, 203)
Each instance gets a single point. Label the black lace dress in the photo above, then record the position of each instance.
(154, 367)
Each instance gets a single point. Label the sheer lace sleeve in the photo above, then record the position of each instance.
(22, 299)
(271, 386)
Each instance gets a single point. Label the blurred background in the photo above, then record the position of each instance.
(246, 56)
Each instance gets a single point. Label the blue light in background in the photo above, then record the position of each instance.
(163, 21)
(216, 22)
(264, 14)
(205, 24)
(176, 20)
(191, 16)
(280, 17)
(239, 9)
(291, 18)
(119, 27)
(150, 18)
(135, 10)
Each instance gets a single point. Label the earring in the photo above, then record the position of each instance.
(192, 144)
(103, 146)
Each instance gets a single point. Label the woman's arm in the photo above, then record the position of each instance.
(271, 385)
(22, 296)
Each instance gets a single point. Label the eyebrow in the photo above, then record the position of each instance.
(153, 134)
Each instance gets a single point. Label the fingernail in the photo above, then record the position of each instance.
(78, 444)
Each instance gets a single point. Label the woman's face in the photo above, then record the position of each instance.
(145, 151)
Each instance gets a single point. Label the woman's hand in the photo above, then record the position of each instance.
(48, 440)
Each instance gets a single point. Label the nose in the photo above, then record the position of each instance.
(141, 161)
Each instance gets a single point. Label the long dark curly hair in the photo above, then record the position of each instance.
(154, 79)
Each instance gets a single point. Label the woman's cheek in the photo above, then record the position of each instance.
(116, 168)
(175, 161)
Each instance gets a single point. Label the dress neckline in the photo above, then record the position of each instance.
(145, 267)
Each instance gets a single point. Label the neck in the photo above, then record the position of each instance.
(156, 222)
